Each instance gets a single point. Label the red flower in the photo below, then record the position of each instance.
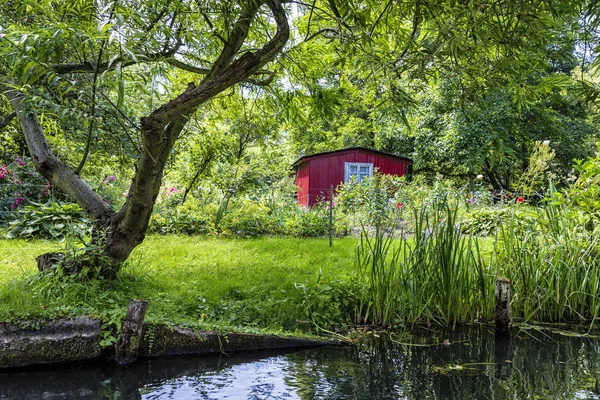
(519, 199)
(399, 205)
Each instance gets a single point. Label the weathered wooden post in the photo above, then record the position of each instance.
(502, 315)
(128, 345)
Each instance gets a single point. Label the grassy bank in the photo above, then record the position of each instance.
(190, 280)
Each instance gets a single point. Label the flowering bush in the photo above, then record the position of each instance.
(378, 197)
(20, 184)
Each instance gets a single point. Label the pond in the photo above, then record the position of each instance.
(467, 364)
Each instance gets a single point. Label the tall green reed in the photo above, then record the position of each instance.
(554, 267)
(434, 274)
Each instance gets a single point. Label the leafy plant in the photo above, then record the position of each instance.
(180, 220)
(51, 220)
(249, 219)
(437, 275)
(486, 221)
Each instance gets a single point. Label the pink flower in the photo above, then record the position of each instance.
(110, 178)
(46, 191)
(20, 161)
(18, 202)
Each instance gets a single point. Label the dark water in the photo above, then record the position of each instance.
(471, 365)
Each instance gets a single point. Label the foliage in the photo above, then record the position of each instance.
(438, 275)
(535, 178)
(584, 192)
(51, 220)
(554, 269)
(180, 220)
(20, 184)
(251, 218)
(486, 221)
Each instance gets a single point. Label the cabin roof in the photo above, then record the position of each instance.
(308, 157)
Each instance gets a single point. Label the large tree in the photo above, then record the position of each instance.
(249, 36)
(52, 50)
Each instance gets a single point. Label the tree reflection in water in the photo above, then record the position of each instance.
(466, 364)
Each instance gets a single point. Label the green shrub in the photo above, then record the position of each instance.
(249, 219)
(311, 222)
(180, 221)
(49, 221)
(485, 221)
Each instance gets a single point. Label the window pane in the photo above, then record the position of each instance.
(353, 168)
(364, 169)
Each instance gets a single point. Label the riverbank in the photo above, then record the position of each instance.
(249, 285)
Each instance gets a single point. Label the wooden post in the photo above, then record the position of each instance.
(331, 216)
(127, 346)
(502, 315)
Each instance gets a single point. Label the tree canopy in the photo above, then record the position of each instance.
(462, 87)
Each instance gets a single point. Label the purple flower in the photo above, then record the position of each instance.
(18, 202)
(46, 191)
(20, 161)
(173, 190)
(110, 178)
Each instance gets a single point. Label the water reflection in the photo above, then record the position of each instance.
(471, 365)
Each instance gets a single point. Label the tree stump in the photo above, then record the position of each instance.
(127, 347)
(48, 260)
(502, 314)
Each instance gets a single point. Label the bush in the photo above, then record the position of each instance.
(180, 221)
(311, 222)
(250, 219)
(486, 221)
(20, 184)
(52, 220)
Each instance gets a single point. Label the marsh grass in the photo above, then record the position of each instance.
(434, 275)
(554, 267)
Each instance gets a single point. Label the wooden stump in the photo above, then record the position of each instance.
(48, 260)
(127, 347)
(502, 314)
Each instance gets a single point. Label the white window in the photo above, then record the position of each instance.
(359, 171)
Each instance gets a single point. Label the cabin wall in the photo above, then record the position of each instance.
(328, 170)
(302, 182)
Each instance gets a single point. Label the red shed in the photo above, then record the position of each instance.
(316, 173)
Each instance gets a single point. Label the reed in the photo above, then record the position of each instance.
(554, 267)
(434, 275)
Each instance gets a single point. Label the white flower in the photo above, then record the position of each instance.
(546, 143)
(480, 177)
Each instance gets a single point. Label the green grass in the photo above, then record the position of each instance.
(188, 280)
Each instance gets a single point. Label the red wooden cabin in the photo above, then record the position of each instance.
(316, 173)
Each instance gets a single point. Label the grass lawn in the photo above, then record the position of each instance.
(235, 282)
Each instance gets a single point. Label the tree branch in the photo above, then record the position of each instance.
(238, 71)
(87, 66)
(53, 169)
(236, 38)
(4, 123)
